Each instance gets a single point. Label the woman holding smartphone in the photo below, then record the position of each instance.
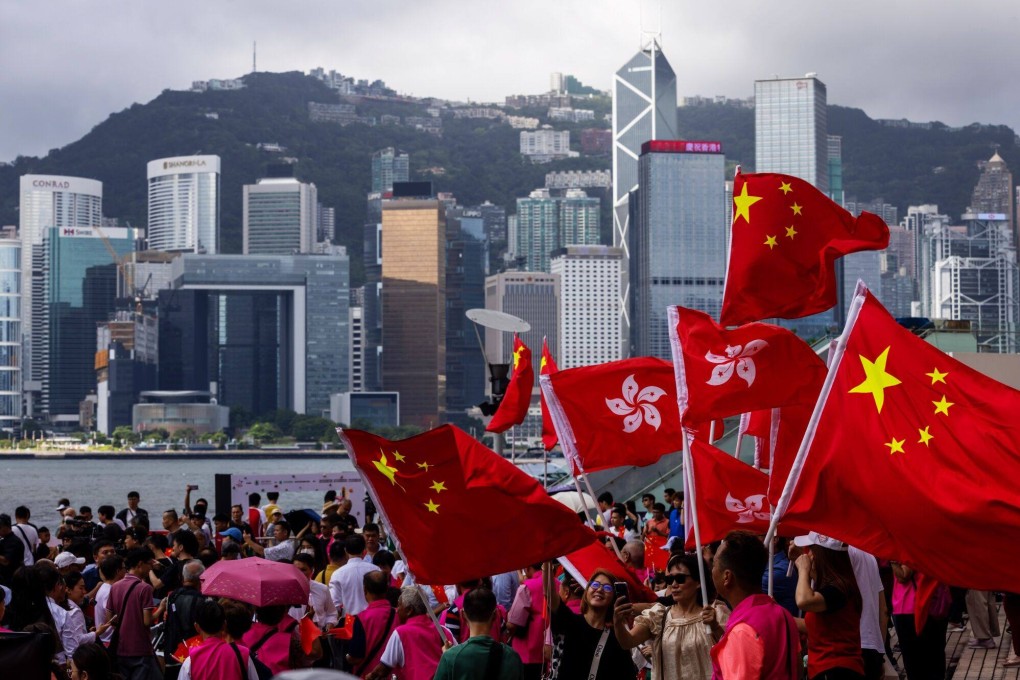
(590, 649)
(683, 633)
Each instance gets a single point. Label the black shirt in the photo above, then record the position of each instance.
(14, 551)
(580, 641)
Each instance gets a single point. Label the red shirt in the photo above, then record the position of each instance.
(834, 637)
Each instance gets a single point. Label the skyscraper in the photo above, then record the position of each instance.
(467, 261)
(78, 276)
(184, 204)
(48, 201)
(280, 217)
(994, 191)
(791, 129)
(545, 223)
(678, 241)
(389, 166)
(532, 296)
(10, 333)
(414, 307)
(644, 108)
(589, 318)
(791, 137)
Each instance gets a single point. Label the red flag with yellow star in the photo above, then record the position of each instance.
(786, 238)
(547, 367)
(459, 511)
(513, 409)
(914, 457)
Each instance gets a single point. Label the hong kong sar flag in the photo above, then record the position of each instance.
(614, 414)
(728, 494)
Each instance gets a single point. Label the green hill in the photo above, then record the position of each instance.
(475, 159)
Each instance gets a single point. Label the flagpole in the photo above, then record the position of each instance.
(741, 428)
(711, 432)
(816, 415)
(432, 615)
(688, 470)
(772, 561)
(591, 491)
(588, 519)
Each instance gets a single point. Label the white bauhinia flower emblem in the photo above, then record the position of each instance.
(636, 405)
(749, 509)
(736, 358)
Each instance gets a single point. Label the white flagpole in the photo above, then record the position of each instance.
(772, 560)
(741, 428)
(809, 433)
(587, 484)
(588, 519)
(689, 471)
(711, 432)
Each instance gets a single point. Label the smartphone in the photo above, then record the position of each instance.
(620, 588)
(192, 487)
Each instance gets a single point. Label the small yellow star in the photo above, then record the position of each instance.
(424, 466)
(876, 379)
(896, 445)
(795, 208)
(743, 204)
(438, 486)
(770, 241)
(926, 436)
(942, 406)
(937, 376)
(785, 188)
(433, 507)
(790, 232)
(399, 458)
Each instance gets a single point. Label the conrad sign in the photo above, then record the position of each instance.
(50, 184)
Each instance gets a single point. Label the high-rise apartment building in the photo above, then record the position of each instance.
(677, 237)
(326, 224)
(644, 108)
(356, 368)
(389, 166)
(280, 217)
(10, 333)
(414, 307)
(589, 314)
(77, 278)
(542, 146)
(184, 204)
(531, 296)
(545, 223)
(467, 260)
(791, 129)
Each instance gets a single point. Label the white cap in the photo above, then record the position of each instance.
(66, 559)
(815, 538)
(7, 595)
(62, 507)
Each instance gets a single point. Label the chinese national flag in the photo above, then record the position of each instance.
(914, 458)
(786, 236)
(513, 409)
(723, 372)
(459, 511)
(596, 555)
(728, 493)
(547, 367)
(615, 414)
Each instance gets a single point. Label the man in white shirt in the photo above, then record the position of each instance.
(26, 533)
(285, 546)
(319, 600)
(53, 584)
(111, 570)
(874, 615)
(347, 586)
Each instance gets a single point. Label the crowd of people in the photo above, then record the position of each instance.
(111, 595)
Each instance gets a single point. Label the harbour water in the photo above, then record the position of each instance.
(40, 482)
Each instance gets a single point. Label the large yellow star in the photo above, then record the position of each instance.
(424, 466)
(387, 470)
(743, 202)
(942, 406)
(785, 187)
(795, 208)
(542, 363)
(926, 436)
(517, 355)
(937, 376)
(433, 507)
(896, 445)
(770, 241)
(438, 486)
(876, 379)
(790, 232)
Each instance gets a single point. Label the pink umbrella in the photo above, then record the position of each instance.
(256, 581)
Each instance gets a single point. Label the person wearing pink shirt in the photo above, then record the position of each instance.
(215, 658)
(526, 623)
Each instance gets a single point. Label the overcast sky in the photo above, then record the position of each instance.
(65, 65)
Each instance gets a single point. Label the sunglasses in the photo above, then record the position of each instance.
(606, 587)
(678, 579)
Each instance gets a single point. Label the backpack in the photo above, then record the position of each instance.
(261, 669)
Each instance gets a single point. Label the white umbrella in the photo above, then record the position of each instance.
(576, 501)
